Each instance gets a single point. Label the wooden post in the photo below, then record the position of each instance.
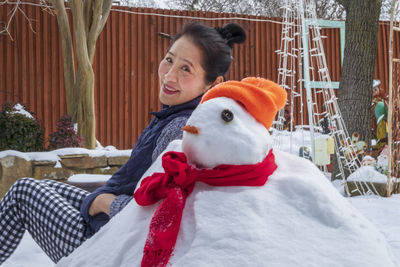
(390, 105)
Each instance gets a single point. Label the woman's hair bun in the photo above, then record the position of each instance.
(233, 33)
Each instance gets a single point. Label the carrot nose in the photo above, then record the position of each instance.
(191, 129)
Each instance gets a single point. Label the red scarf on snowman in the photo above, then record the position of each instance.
(175, 185)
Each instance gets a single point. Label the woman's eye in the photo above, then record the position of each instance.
(186, 68)
(227, 115)
(168, 59)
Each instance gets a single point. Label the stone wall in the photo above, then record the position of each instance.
(13, 167)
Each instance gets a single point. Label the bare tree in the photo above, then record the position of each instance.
(326, 9)
(88, 18)
(329, 9)
(267, 8)
(386, 9)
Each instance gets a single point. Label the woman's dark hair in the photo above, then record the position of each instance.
(216, 45)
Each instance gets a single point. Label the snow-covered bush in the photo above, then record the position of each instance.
(20, 130)
(65, 134)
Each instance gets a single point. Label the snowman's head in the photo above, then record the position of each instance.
(220, 131)
(231, 124)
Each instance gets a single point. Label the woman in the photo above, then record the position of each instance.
(60, 217)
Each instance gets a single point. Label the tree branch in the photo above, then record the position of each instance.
(5, 29)
(80, 34)
(88, 15)
(106, 8)
(92, 34)
(68, 54)
(101, 10)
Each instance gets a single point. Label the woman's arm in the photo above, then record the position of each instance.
(102, 199)
(111, 187)
(171, 132)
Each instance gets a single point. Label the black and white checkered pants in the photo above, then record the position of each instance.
(49, 210)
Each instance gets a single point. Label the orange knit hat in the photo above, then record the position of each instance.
(262, 98)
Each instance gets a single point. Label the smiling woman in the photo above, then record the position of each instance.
(198, 59)
(181, 76)
(61, 217)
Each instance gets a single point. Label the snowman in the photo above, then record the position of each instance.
(230, 199)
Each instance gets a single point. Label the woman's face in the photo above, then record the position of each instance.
(181, 76)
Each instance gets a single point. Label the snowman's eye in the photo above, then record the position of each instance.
(227, 115)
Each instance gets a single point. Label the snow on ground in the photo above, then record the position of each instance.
(367, 174)
(88, 178)
(27, 254)
(384, 213)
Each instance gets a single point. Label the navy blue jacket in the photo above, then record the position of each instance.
(125, 179)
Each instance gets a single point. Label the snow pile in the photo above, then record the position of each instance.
(367, 174)
(89, 178)
(296, 219)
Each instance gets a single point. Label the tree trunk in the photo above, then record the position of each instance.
(89, 18)
(86, 111)
(85, 78)
(355, 91)
(68, 58)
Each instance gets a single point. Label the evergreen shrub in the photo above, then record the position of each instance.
(19, 131)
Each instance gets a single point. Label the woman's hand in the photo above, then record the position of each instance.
(101, 203)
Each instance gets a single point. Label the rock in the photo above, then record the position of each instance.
(83, 161)
(11, 169)
(110, 170)
(44, 163)
(49, 172)
(117, 161)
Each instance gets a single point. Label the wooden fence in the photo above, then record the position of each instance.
(126, 61)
